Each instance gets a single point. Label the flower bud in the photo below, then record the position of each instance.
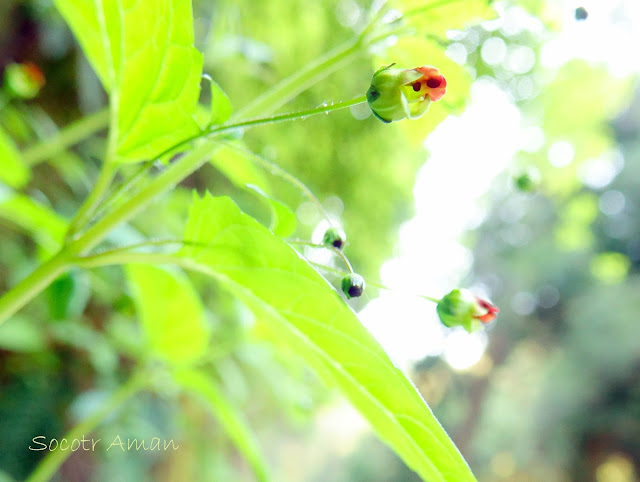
(397, 94)
(335, 237)
(353, 285)
(463, 308)
(23, 80)
(581, 13)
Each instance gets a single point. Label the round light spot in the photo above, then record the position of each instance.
(597, 173)
(561, 153)
(523, 303)
(548, 296)
(493, 50)
(457, 52)
(532, 139)
(462, 350)
(612, 202)
(520, 59)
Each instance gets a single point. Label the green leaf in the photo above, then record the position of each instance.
(170, 312)
(45, 225)
(233, 421)
(283, 219)
(239, 169)
(307, 314)
(13, 171)
(68, 295)
(220, 104)
(143, 53)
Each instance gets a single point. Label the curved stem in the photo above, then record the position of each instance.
(52, 462)
(160, 185)
(322, 246)
(188, 164)
(107, 173)
(116, 195)
(323, 109)
(301, 80)
(18, 296)
(143, 244)
(278, 171)
(340, 272)
(66, 137)
(32, 285)
(114, 257)
(225, 128)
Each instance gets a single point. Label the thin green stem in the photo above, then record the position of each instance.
(122, 256)
(66, 137)
(375, 284)
(292, 86)
(18, 296)
(323, 246)
(84, 214)
(118, 257)
(278, 171)
(166, 181)
(32, 285)
(225, 128)
(151, 243)
(123, 189)
(52, 462)
(323, 109)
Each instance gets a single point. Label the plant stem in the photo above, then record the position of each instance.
(322, 246)
(184, 167)
(161, 184)
(32, 285)
(66, 137)
(144, 244)
(219, 130)
(107, 173)
(116, 257)
(301, 80)
(323, 109)
(24, 291)
(380, 286)
(52, 462)
(278, 171)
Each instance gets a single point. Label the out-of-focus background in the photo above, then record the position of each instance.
(529, 195)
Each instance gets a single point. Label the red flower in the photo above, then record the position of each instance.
(34, 73)
(462, 308)
(397, 94)
(23, 80)
(432, 83)
(490, 311)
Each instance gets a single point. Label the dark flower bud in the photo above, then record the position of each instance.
(353, 285)
(581, 13)
(335, 237)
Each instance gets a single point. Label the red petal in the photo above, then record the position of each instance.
(491, 313)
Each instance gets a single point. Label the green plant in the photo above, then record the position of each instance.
(143, 53)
